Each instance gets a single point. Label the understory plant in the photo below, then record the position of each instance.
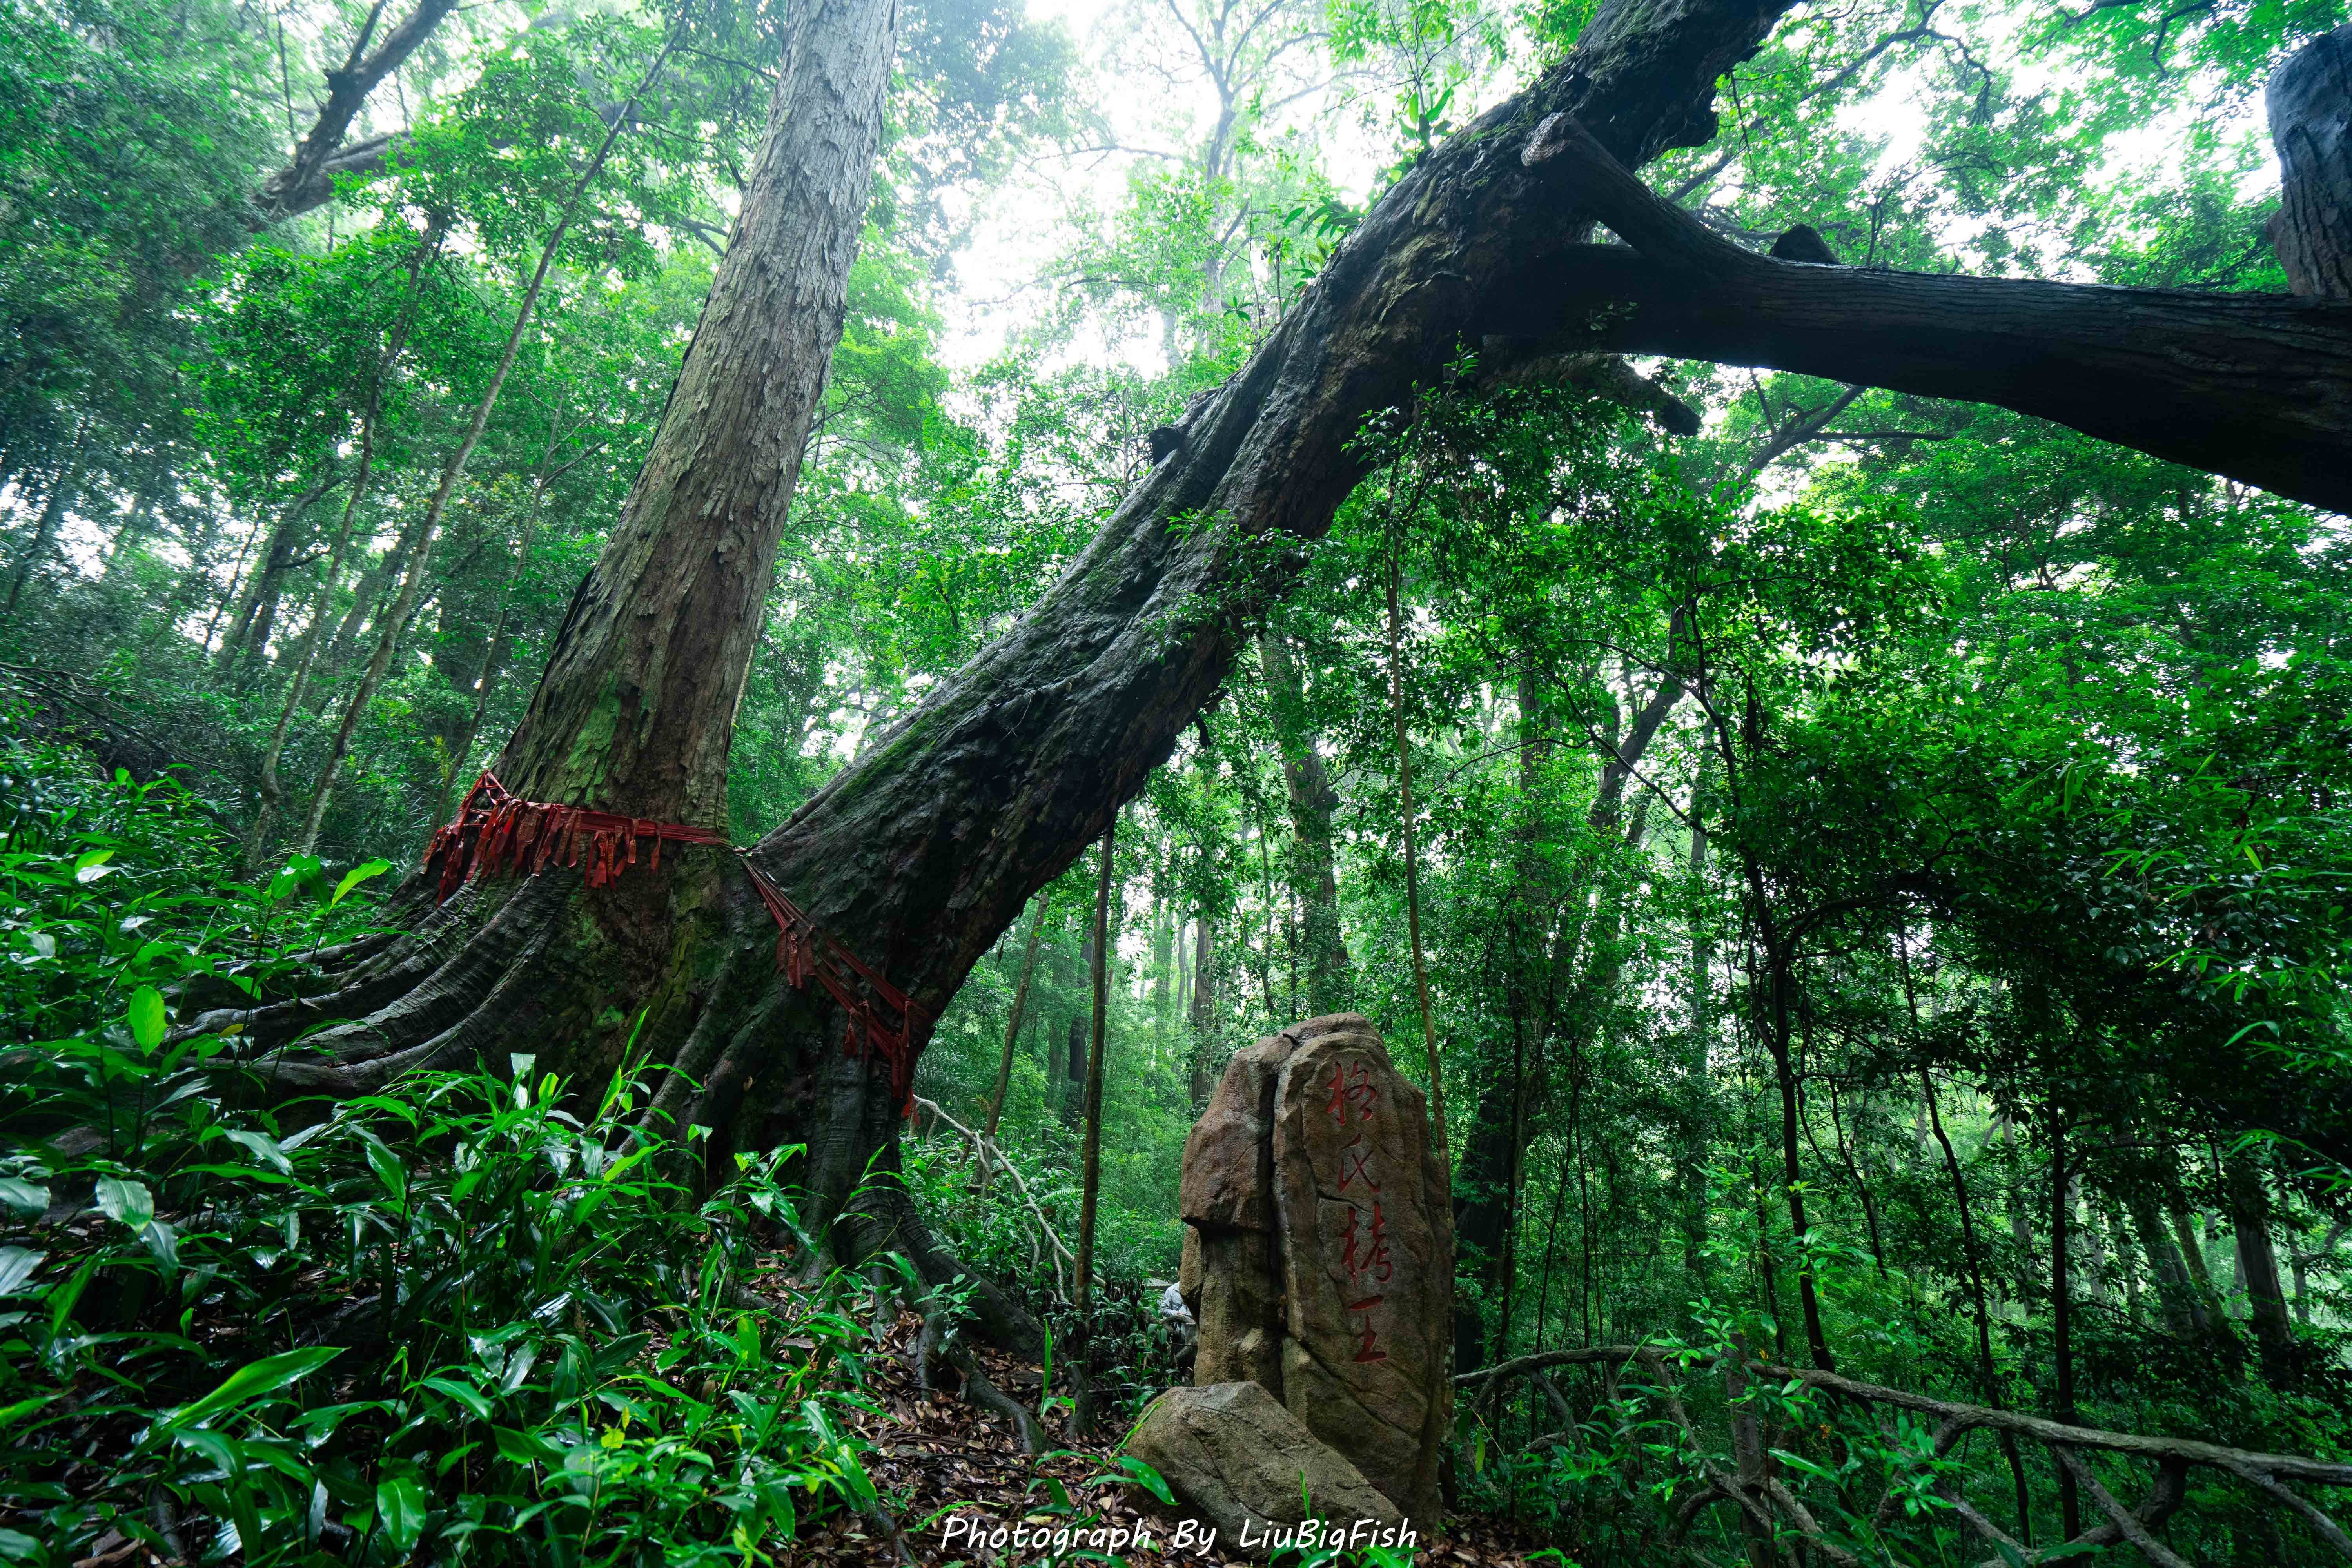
(472, 1319)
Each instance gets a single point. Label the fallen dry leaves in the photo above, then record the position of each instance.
(936, 1458)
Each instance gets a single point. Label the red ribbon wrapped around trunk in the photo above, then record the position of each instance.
(494, 832)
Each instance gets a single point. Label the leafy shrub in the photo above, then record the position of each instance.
(454, 1322)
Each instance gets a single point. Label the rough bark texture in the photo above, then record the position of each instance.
(2311, 124)
(2256, 387)
(639, 703)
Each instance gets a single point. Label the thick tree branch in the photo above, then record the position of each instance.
(2256, 387)
(308, 180)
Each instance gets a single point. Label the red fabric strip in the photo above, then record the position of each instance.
(494, 832)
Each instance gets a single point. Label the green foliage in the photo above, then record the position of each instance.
(452, 1317)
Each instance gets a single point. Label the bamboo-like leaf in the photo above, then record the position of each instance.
(265, 1376)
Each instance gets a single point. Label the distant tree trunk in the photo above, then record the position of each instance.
(1406, 810)
(1549, 940)
(2184, 1310)
(314, 637)
(2061, 1312)
(1090, 1151)
(1203, 1012)
(1988, 1377)
(1690, 1178)
(2250, 1216)
(2226, 1343)
(249, 637)
(1013, 1019)
(2310, 101)
(1074, 1044)
(1314, 878)
(2324, 1253)
(62, 495)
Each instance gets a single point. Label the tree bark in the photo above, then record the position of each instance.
(637, 704)
(1314, 878)
(2310, 99)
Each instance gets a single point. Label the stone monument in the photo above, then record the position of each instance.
(1318, 1250)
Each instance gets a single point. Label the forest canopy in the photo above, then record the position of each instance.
(677, 675)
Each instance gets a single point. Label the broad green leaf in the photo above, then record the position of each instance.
(10, 1414)
(464, 1394)
(16, 1266)
(1144, 1476)
(262, 1147)
(400, 1505)
(388, 1170)
(129, 1203)
(355, 875)
(525, 1448)
(146, 1016)
(29, 1196)
(266, 1376)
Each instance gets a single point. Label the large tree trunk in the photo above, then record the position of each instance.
(634, 710)
(2310, 101)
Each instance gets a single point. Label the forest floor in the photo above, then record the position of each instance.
(939, 1459)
